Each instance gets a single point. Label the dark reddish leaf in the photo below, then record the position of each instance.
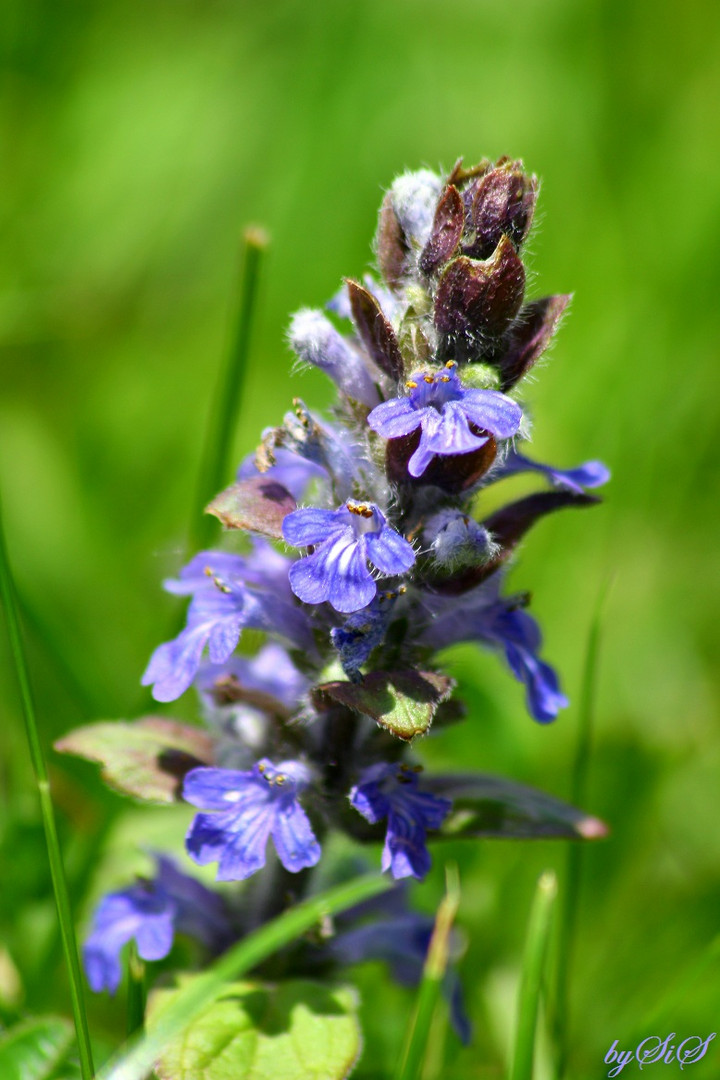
(390, 244)
(503, 204)
(376, 333)
(259, 504)
(530, 336)
(477, 300)
(446, 232)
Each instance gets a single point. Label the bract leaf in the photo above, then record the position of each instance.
(259, 504)
(375, 331)
(446, 232)
(146, 758)
(255, 1031)
(403, 702)
(529, 337)
(494, 807)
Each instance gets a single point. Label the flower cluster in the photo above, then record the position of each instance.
(367, 552)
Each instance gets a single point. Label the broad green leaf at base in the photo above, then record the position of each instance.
(296, 1030)
(39, 1049)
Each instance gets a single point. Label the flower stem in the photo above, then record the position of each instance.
(226, 407)
(57, 869)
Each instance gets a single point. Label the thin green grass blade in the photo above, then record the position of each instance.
(421, 1022)
(568, 905)
(136, 1060)
(531, 982)
(229, 392)
(57, 870)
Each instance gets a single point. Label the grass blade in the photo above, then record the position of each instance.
(136, 1061)
(57, 869)
(420, 1027)
(135, 991)
(532, 976)
(574, 855)
(228, 398)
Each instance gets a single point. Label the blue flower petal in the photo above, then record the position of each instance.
(390, 552)
(309, 526)
(395, 418)
(252, 806)
(492, 411)
(294, 839)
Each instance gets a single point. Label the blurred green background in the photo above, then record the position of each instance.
(139, 139)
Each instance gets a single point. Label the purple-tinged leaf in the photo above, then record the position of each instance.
(258, 504)
(375, 331)
(476, 300)
(446, 232)
(146, 758)
(390, 244)
(528, 339)
(403, 702)
(490, 806)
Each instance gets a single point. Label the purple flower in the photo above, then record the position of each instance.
(402, 943)
(151, 912)
(249, 808)
(590, 474)
(230, 593)
(269, 681)
(391, 791)
(501, 622)
(446, 412)
(345, 540)
(316, 341)
(292, 471)
(519, 635)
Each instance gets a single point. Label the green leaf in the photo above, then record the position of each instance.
(38, 1050)
(404, 702)
(146, 758)
(494, 807)
(289, 1031)
(259, 504)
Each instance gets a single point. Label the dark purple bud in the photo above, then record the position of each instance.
(507, 527)
(503, 205)
(375, 331)
(531, 335)
(259, 504)
(452, 473)
(446, 232)
(478, 300)
(390, 244)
